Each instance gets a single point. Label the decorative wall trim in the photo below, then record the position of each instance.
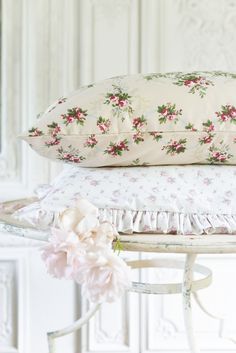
(11, 96)
(37, 70)
(198, 35)
(115, 328)
(13, 301)
(109, 38)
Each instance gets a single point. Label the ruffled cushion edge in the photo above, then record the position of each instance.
(128, 222)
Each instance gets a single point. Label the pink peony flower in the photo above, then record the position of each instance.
(105, 234)
(82, 250)
(56, 262)
(62, 253)
(104, 276)
(77, 218)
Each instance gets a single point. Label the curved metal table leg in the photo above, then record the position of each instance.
(71, 328)
(187, 287)
(187, 305)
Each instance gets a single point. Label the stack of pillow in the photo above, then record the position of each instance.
(155, 153)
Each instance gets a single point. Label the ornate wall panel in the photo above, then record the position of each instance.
(115, 328)
(109, 46)
(36, 70)
(11, 103)
(40, 63)
(199, 35)
(8, 307)
(13, 301)
(109, 38)
(162, 328)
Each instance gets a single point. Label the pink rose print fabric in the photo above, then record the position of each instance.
(145, 199)
(154, 119)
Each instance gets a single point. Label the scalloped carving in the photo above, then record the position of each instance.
(114, 332)
(207, 38)
(166, 328)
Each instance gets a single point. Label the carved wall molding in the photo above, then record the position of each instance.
(13, 301)
(109, 38)
(7, 288)
(110, 10)
(201, 34)
(11, 117)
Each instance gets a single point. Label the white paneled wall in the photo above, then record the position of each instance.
(49, 48)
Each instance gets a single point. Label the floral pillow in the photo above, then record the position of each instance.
(155, 119)
(157, 199)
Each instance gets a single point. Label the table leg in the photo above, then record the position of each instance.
(72, 328)
(187, 305)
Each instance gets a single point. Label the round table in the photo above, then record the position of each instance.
(190, 245)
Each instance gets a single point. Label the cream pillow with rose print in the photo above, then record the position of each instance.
(154, 119)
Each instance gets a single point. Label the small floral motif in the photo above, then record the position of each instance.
(156, 135)
(206, 139)
(221, 74)
(70, 155)
(76, 114)
(138, 137)
(60, 101)
(54, 129)
(120, 101)
(168, 112)
(151, 77)
(219, 154)
(137, 161)
(103, 124)
(116, 149)
(208, 127)
(91, 141)
(53, 142)
(227, 113)
(175, 147)
(34, 131)
(139, 122)
(190, 127)
(196, 83)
